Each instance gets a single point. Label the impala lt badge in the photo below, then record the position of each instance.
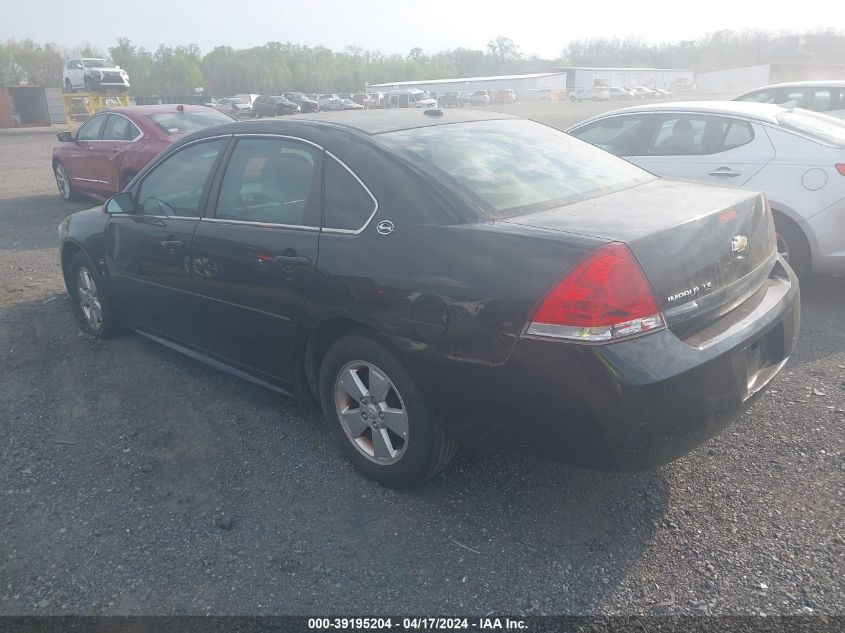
(739, 243)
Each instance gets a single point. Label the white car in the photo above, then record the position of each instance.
(88, 73)
(821, 96)
(411, 98)
(589, 94)
(796, 157)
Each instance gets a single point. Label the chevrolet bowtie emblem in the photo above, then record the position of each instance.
(739, 243)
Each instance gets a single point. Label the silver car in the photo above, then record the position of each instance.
(821, 96)
(796, 157)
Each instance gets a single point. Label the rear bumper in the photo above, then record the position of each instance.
(639, 403)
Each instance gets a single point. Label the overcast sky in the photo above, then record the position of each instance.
(396, 26)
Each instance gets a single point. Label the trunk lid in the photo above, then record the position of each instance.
(704, 248)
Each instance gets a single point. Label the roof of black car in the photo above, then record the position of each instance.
(377, 121)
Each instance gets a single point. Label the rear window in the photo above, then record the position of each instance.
(187, 122)
(513, 167)
(819, 127)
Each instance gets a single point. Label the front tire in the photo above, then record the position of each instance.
(378, 414)
(68, 86)
(91, 302)
(66, 190)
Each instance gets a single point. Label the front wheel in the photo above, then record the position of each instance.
(68, 86)
(66, 190)
(378, 415)
(91, 302)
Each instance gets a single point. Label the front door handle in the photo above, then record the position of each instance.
(292, 260)
(171, 246)
(115, 149)
(725, 171)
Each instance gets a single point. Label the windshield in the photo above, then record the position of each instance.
(510, 167)
(419, 96)
(187, 122)
(819, 127)
(96, 63)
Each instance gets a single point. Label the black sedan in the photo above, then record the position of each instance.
(436, 278)
(265, 105)
(305, 104)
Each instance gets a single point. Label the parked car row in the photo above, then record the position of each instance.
(602, 93)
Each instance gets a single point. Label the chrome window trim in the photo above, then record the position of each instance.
(369, 193)
(131, 122)
(269, 225)
(285, 136)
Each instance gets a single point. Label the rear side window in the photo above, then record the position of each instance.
(187, 122)
(90, 130)
(620, 135)
(511, 167)
(119, 128)
(347, 205)
(175, 186)
(819, 127)
(737, 134)
(270, 181)
(697, 135)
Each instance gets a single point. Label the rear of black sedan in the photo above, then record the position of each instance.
(504, 284)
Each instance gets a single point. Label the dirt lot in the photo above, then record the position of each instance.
(134, 480)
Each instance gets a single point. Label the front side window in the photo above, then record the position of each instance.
(620, 135)
(770, 95)
(119, 128)
(175, 186)
(271, 181)
(90, 131)
(347, 204)
(511, 167)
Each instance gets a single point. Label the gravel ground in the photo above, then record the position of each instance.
(136, 481)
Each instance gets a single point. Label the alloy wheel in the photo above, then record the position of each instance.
(371, 412)
(89, 299)
(62, 181)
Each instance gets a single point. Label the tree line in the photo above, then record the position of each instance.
(276, 66)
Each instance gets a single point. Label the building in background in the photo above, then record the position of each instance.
(578, 78)
(734, 81)
(524, 85)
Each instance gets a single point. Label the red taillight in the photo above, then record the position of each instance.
(606, 296)
(840, 167)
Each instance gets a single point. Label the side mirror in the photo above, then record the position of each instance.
(120, 203)
(65, 137)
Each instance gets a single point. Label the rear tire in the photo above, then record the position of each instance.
(793, 246)
(91, 301)
(359, 364)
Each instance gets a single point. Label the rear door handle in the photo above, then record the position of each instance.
(171, 246)
(725, 171)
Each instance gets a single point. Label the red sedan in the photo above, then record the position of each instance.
(106, 152)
